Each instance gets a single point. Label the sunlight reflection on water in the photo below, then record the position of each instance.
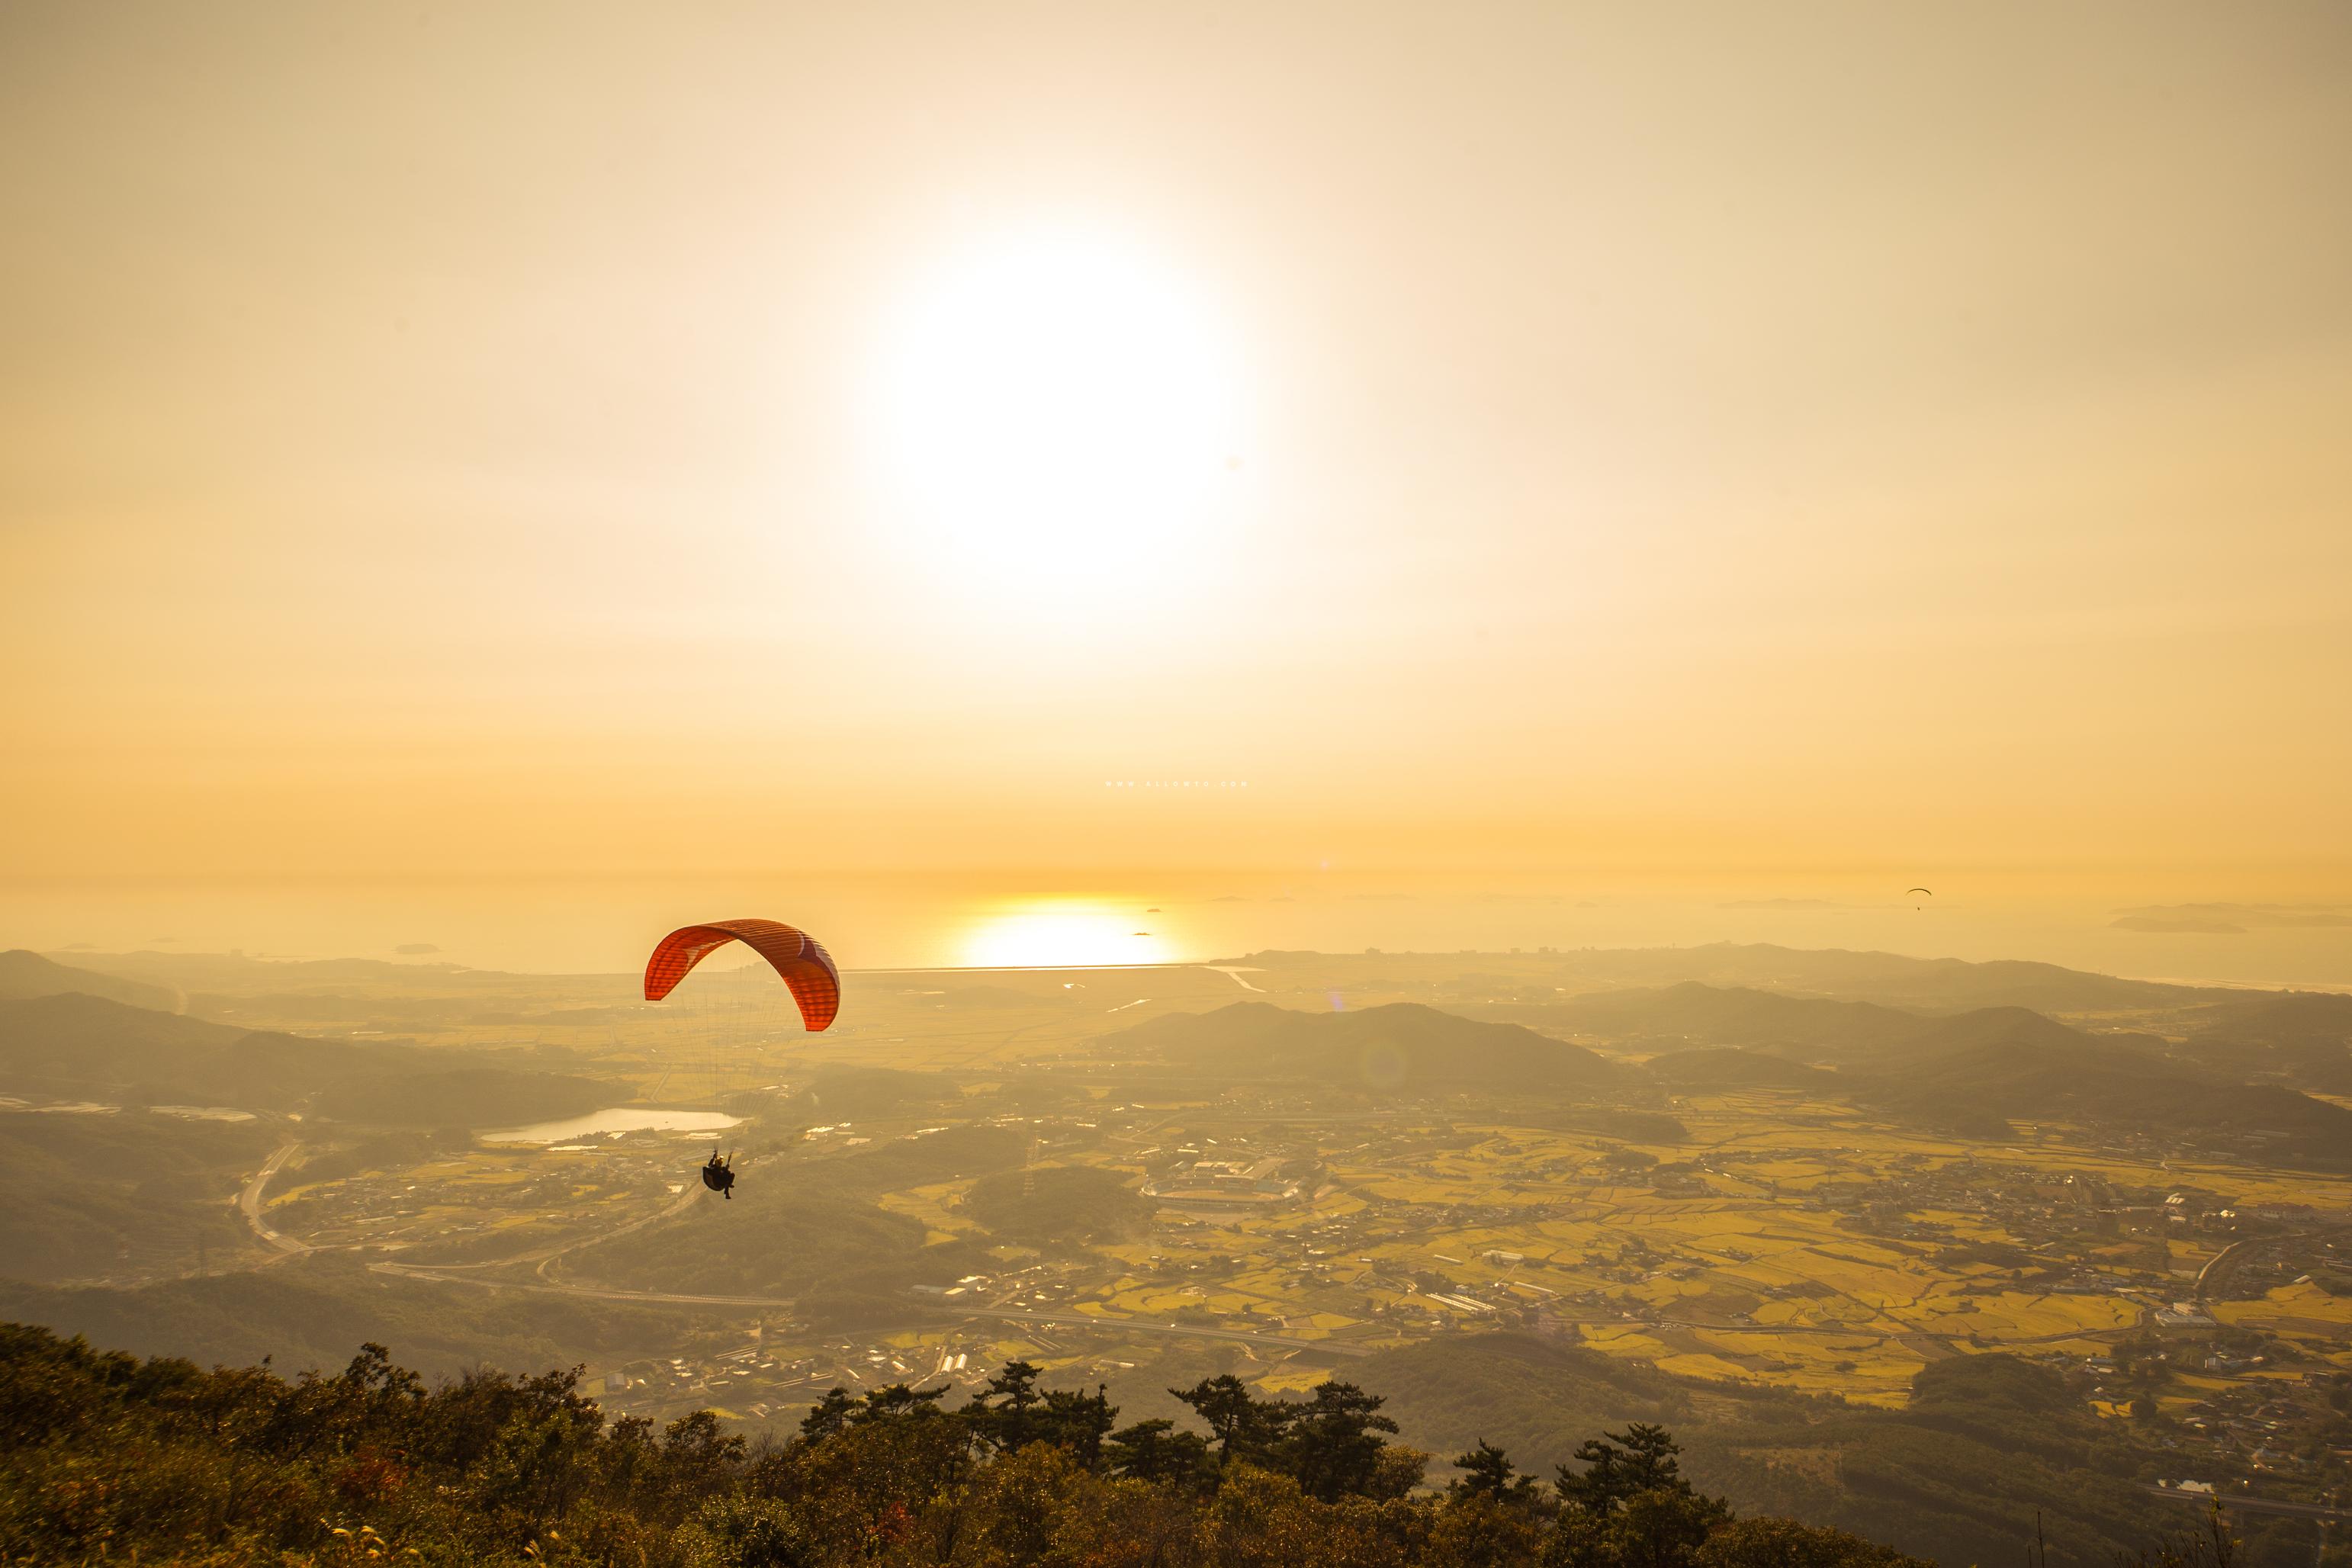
(1061, 932)
(603, 926)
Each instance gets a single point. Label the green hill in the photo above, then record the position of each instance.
(94, 1195)
(2304, 1038)
(1717, 1069)
(2026, 1072)
(1059, 1205)
(1814, 1028)
(840, 1257)
(2279, 1018)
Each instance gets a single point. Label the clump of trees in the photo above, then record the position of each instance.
(107, 1457)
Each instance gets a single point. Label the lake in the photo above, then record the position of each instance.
(620, 1119)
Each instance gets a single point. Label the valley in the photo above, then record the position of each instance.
(1700, 1194)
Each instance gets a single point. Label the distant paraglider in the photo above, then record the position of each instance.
(1929, 891)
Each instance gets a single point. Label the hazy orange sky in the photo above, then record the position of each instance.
(492, 439)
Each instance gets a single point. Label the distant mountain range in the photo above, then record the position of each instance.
(1401, 1047)
(235, 970)
(2278, 1018)
(1981, 1069)
(75, 1047)
(2301, 1037)
(24, 973)
(1974, 1073)
(1926, 984)
(2019, 1072)
(1809, 1028)
(1922, 985)
(1812, 1027)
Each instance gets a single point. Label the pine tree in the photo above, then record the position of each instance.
(1333, 1447)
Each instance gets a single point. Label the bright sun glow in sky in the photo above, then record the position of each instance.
(1884, 445)
(1052, 932)
(1056, 410)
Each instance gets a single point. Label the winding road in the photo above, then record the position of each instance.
(249, 1203)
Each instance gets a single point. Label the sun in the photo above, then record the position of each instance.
(1052, 933)
(1057, 408)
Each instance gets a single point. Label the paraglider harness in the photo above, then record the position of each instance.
(719, 1175)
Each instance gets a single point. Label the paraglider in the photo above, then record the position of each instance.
(719, 1176)
(806, 968)
(798, 958)
(1929, 891)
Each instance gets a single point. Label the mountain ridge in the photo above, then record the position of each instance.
(1387, 1048)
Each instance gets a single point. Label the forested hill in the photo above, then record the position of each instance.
(105, 1457)
(72, 1045)
(1896, 980)
(1807, 1029)
(1400, 1046)
(1973, 1072)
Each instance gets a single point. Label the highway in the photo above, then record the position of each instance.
(2242, 1504)
(249, 1203)
(445, 1275)
(2214, 1277)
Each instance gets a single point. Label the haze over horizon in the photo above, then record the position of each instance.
(600, 925)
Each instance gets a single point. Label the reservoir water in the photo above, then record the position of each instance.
(620, 1119)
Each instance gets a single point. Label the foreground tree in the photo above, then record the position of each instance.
(1334, 1443)
(1630, 1506)
(1243, 1426)
(1488, 1472)
(1159, 1450)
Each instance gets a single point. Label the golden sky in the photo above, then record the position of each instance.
(524, 437)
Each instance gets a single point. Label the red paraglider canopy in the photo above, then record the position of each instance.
(806, 965)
